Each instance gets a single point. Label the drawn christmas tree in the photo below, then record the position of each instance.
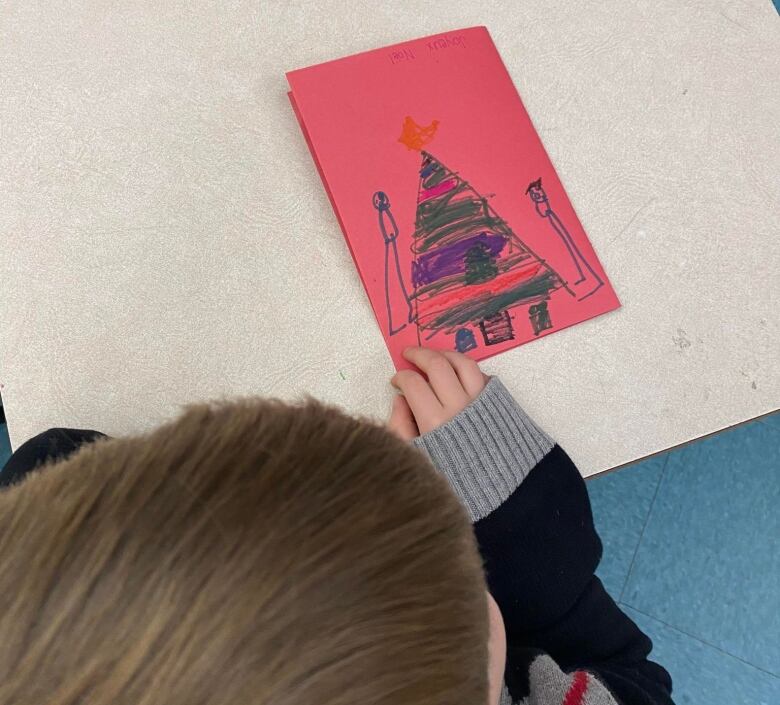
(469, 267)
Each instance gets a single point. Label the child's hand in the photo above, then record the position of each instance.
(453, 381)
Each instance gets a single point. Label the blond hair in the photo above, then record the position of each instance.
(248, 552)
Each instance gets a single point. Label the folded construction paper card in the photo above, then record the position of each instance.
(458, 224)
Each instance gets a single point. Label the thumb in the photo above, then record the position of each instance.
(401, 421)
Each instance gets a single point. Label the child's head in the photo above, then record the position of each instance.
(247, 553)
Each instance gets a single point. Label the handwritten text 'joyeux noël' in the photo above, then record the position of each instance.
(440, 43)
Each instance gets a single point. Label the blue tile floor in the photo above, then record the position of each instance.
(692, 553)
(5, 445)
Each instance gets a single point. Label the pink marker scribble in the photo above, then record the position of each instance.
(437, 190)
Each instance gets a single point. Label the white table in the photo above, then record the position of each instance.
(155, 192)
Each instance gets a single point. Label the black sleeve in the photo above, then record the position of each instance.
(52, 445)
(541, 549)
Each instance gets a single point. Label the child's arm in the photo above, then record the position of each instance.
(48, 447)
(535, 530)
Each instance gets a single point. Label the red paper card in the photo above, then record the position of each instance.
(458, 224)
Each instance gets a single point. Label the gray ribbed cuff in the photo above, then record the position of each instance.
(487, 450)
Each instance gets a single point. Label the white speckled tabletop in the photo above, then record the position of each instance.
(166, 238)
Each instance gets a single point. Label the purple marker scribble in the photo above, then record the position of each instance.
(451, 259)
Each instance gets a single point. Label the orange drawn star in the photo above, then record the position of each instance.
(416, 136)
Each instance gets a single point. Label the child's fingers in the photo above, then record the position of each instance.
(441, 376)
(401, 421)
(469, 374)
(428, 412)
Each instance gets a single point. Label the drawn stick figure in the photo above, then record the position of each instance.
(394, 281)
(543, 209)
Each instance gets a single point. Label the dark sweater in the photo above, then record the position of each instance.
(568, 643)
(567, 640)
